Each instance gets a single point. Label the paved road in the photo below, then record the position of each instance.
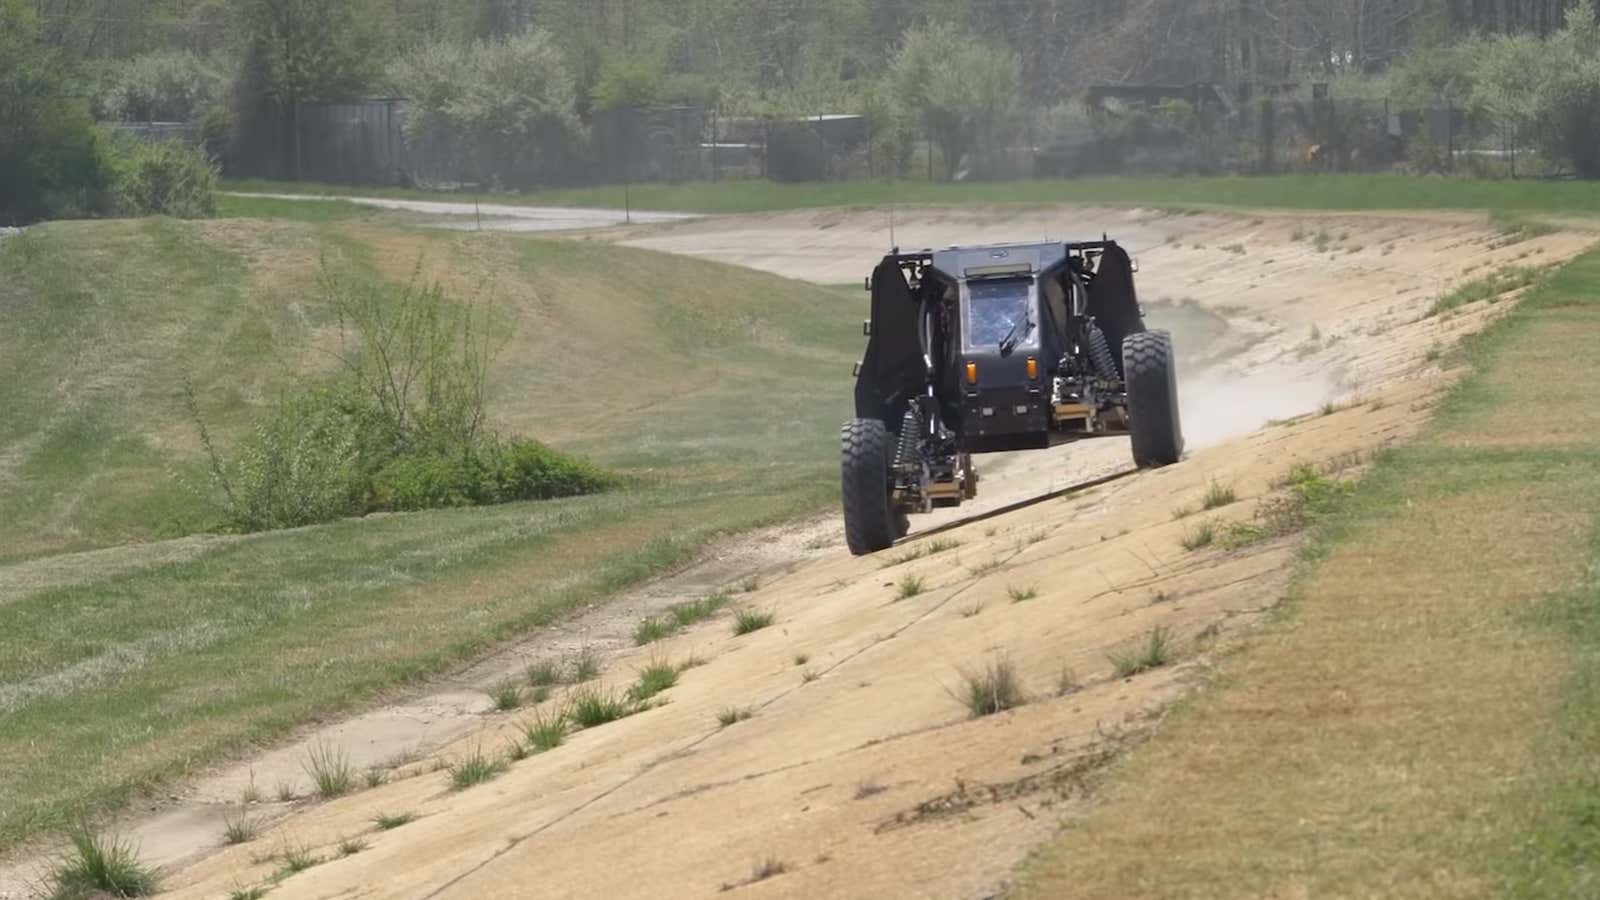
(500, 217)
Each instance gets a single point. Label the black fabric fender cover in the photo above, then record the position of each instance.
(892, 370)
(1113, 302)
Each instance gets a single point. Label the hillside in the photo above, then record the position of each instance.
(126, 658)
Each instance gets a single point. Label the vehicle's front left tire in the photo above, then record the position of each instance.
(871, 523)
(1152, 375)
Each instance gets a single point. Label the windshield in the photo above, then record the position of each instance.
(998, 312)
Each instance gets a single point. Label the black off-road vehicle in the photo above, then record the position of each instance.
(987, 349)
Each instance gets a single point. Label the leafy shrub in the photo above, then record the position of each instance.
(168, 178)
(495, 471)
(400, 428)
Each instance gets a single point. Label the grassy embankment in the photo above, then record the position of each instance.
(716, 392)
(1303, 192)
(1421, 718)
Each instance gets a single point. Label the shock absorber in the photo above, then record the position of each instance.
(1105, 365)
(909, 450)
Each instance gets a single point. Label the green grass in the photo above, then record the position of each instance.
(132, 669)
(545, 731)
(544, 673)
(474, 769)
(390, 821)
(1022, 594)
(732, 715)
(591, 707)
(748, 620)
(1297, 192)
(100, 865)
(296, 859)
(330, 770)
(653, 629)
(240, 829)
(1155, 651)
(653, 679)
(1510, 278)
(696, 611)
(994, 688)
(507, 696)
(1217, 495)
(910, 586)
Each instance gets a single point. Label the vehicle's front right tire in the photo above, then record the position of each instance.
(871, 523)
(1152, 379)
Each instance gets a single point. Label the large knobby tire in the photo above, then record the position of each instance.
(1153, 398)
(871, 523)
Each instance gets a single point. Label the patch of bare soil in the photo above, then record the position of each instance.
(858, 771)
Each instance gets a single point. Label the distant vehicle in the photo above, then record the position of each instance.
(987, 349)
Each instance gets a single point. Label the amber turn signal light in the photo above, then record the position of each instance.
(1033, 367)
(972, 373)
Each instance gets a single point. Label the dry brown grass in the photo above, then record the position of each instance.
(1401, 733)
(1349, 759)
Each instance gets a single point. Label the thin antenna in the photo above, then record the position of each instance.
(891, 226)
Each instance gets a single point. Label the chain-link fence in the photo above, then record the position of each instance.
(367, 143)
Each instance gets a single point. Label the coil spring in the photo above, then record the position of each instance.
(1105, 365)
(909, 449)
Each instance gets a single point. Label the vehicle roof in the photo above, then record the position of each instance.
(999, 260)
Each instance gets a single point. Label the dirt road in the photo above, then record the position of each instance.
(497, 216)
(858, 772)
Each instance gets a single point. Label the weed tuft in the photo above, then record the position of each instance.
(239, 829)
(545, 731)
(286, 792)
(102, 864)
(507, 696)
(910, 586)
(330, 770)
(1218, 495)
(1067, 683)
(590, 707)
(390, 821)
(475, 769)
(1202, 535)
(1156, 651)
(748, 620)
(809, 675)
(585, 666)
(653, 679)
(1242, 534)
(375, 777)
(296, 859)
(686, 614)
(1019, 595)
(992, 689)
(731, 715)
(249, 893)
(653, 629)
(750, 584)
(801, 659)
(986, 568)
(351, 846)
(869, 788)
(544, 673)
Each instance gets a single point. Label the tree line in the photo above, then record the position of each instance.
(517, 82)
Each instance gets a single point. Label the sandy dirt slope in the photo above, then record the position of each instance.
(859, 772)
